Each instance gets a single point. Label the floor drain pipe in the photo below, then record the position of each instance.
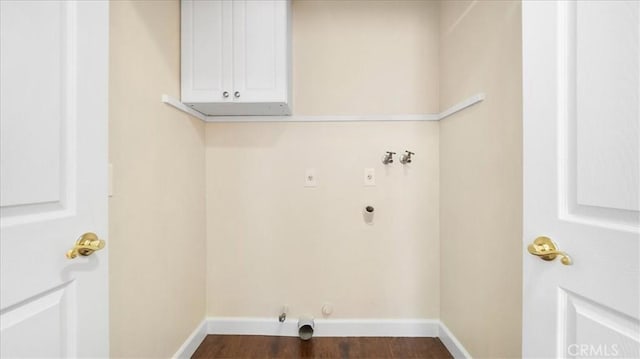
(305, 328)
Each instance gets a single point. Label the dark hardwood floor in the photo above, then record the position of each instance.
(244, 346)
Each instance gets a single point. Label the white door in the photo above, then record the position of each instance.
(581, 69)
(53, 177)
(260, 50)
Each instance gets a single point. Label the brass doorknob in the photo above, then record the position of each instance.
(547, 250)
(86, 245)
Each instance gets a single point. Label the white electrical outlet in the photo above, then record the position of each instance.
(369, 177)
(310, 178)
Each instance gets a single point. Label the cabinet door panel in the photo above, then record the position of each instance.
(206, 50)
(260, 47)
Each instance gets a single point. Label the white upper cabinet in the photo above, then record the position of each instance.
(236, 56)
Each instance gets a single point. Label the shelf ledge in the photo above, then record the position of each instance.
(327, 118)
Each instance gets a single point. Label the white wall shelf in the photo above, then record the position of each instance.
(326, 118)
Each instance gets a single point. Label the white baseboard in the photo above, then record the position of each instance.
(376, 328)
(325, 328)
(251, 326)
(452, 343)
(193, 341)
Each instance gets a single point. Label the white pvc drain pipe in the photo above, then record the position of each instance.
(305, 328)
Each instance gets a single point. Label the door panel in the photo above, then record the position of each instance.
(581, 177)
(206, 51)
(40, 317)
(605, 42)
(599, 84)
(53, 117)
(259, 50)
(38, 127)
(583, 321)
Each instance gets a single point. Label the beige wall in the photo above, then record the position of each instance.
(481, 176)
(270, 240)
(157, 221)
(365, 57)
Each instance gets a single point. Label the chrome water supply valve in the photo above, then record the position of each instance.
(388, 158)
(283, 316)
(406, 158)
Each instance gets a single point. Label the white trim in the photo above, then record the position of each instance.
(324, 328)
(326, 118)
(193, 341)
(452, 343)
(461, 106)
(323, 118)
(251, 326)
(182, 107)
(376, 328)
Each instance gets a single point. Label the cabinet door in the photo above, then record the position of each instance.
(260, 48)
(206, 51)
